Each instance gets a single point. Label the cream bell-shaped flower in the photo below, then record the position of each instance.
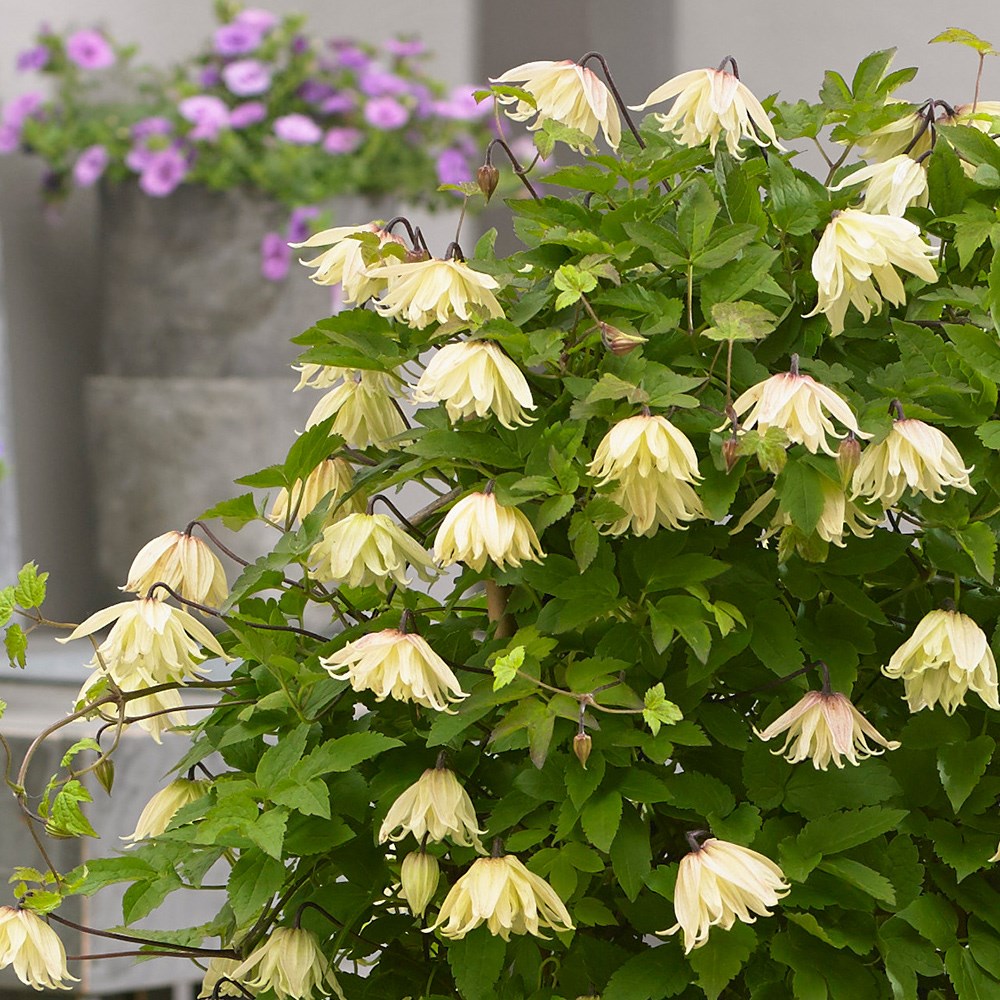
(365, 549)
(332, 475)
(214, 985)
(184, 563)
(720, 882)
(799, 405)
(421, 292)
(858, 250)
(909, 134)
(913, 455)
(653, 502)
(365, 410)
(319, 376)
(343, 263)
(398, 665)
(476, 378)
(156, 713)
(292, 964)
(436, 806)
(33, 948)
(947, 656)
(504, 895)
(567, 93)
(150, 641)
(478, 528)
(892, 186)
(164, 805)
(711, 102)
(418, 880)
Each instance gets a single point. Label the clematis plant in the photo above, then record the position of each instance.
(630, 628)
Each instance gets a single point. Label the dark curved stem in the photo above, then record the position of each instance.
(309, 905)
(896, 409)
(519, 170)
(215, 541)
(692, 837)
(770, 684)
(416, 236)
(454, 252)
(732, 62)
(130, 939)
(612, 86)
(392, 507)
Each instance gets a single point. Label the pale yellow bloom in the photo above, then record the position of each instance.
(908, 134)
(823, 727)
(996, 857)
(856, 251)
(947, 656)
(419, 292)
(165, 709)
(365, 410)
(164, 805)
(399, 665)
(892, 187)
(184, 563)
(365, 549)
(719, 882)
(344, 263)
(319, 376)
(418, 880)
(33, 948)
(218, 970)
(474, 378)
(504, 895)
(478, 528)
(332, 475)
(567, 93)
(291, 963)
(711, 102)
(796, 404)
(436, 806)
(914, 455)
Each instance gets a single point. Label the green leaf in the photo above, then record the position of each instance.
(342, 754)
(994, 290)
(600, 819)
(961, 765)
(267, 831)
(800, 488)
(252, 884)
(969, 980)
(658, 710)
(142, 898)
(696, 214)
(7, 602)
(631, 854)
(652, 974)
(793, 206)
(572, 282)
(719, 960)
(773, 639)
(844, 830)
(234, 513)
(585, 539)
(552, 510)
(30, 589)
(16, 643)
(962, 36)
(684, 615)
(861, 877)
(934, 918)
(310, 448)
(311, 798)
(476, 962)
(65, 816)
(979, 348)
(740, 321)
(278, 760)
(505, 667)
(988, 433)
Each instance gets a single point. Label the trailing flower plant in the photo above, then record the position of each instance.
(710, 459)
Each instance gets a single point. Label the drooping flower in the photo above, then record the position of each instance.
(858, 250)
(344, 263)
(365, 549)
(165, 804)
(219, 980)
(504, 895)
(419, 292)
(711, 102)
(365, 410)
(319, 376)
(565, 92)
(947, 656)
(156, 713)
(719, 882)
(89, 49)
(909, 134)
(913, 455)
(892, 187)
(399, 665)
(436, 806)
(418, 880)
(474, 378)
(184, 563)
(33, 948)
(90, 165)
(332, 475)
(478, 528)
(292, 964)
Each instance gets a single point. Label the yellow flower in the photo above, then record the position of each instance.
(435, 806)
(719, 882)
(567, 93)
(856, 251)
(343, 263)
(365, 410)
(908, 134)
(218, 970)
(419, 292)
(913, 455)
(947, 656)
(164, 805)
(418, 880)
(893, 185)
(319, 376)
(184, 563)
(291, 963)
(710, 102)
(478, 528)
(332, 475)
(156, 713)
(33, 948)
(474, 378)
(365, 549)
(796, 404)
(399, 665)
(825, 726)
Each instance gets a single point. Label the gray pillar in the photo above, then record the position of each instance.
(9, 549)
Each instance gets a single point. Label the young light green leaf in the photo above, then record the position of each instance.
(740, 321)
(505, 667)
(658, 710)
(16, 643)
(30, 589)
(962, 36)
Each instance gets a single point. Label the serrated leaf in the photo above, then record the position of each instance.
(658, 710)
(650, 975)
(7, 602)
(234, 513)
(600, 819)
(505, 667)
(16, 644)
(740, 321)
(252, 884)
(630, 853)
(844, 830)
(961, 765)
(342, 754)
(30, 589)
(476, 962)
(584, 539)
(962, 36)
(861, 877)
(800, 489)
(719, 960)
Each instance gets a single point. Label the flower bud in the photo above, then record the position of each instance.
(105, 774)
(731, 452)
(582, 744)
(618, 342)
(848, 456)
(416, 256)
(487, 177)
(419, 880)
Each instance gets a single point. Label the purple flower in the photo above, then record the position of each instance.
(452, 167)
(208, 114)
(18, 108)
(299, 130)
(315, 91)
(89, 50)
(349, 56)
(275, 257)
(298, 223)
(378, 83)
(163, 171)
(89, 166)
(342, 140)
(403, 48)
(209, 76)
(247, 77)
(156, 125)
(339, 104)
(460, 105)
(246, 114)
(237, 38)
(35, 58)
(300, 45)
(254, 17)
(10, 138)
(424, 100)
(385, 113)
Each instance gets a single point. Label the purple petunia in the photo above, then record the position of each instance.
(460, 105)
(247, 77)
(35, 58)
(339, 141)
(209, 76)
(386, 113)
(208, 114)
(10, 138)
(299, 130)
(257, 18)
(89, 166)
(237, 39)
(403, 48)
(18, 108)
(349, 56)
(339, 104)
(89, 50)
(154, 125)
(275, 257)
(378, 83)
(246, 114)
(298, 223)
(315, 91)
(452, 167)
(163, 172)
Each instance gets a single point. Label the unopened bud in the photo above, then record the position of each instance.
(848, 456)
(731, 452)
(582, 744)
(487, 177)
(416, 256)
(618, 342)
(105, 774)
(419, 880)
